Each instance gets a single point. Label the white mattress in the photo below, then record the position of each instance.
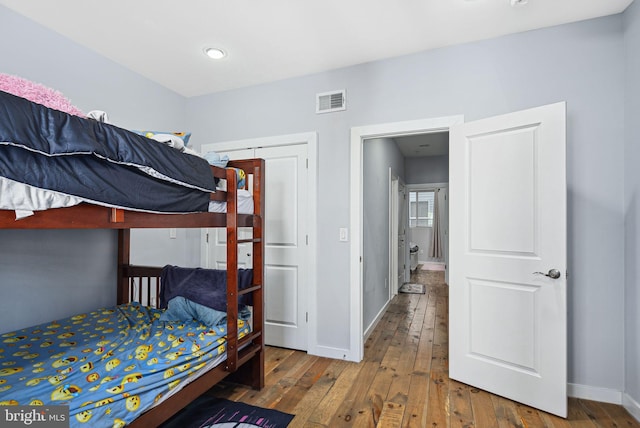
(25, 199)
(245, 204)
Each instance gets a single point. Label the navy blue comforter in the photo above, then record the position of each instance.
(207, 287)
(98, 162)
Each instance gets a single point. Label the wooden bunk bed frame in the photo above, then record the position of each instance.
(245, 358)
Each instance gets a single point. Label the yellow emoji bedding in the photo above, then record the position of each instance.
(109, 365)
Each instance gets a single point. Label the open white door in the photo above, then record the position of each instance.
(398, 235)
(394, 237)
(508, 256)
(403, 245)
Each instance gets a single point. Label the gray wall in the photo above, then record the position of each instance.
(379, 154)
(46, 275)
(579, 63)
(427, 169)
(632, 204)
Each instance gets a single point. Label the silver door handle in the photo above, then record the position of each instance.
(553, 273)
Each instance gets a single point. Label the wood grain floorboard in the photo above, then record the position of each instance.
(403, 380)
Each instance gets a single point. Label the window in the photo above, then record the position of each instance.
(421, 208)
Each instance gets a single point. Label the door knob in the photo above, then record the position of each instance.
(553, 273)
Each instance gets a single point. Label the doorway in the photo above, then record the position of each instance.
(429, 225)
(359, 135)
(508, 302)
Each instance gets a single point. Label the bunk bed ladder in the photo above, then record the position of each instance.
(253, 372)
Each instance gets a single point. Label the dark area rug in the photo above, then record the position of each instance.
(216, 412)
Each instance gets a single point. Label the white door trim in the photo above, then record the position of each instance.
(311, 139)
(393, 233)
(358, 136)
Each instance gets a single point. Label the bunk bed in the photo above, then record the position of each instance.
(243, 344)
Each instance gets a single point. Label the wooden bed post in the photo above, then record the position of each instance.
(124, 248)
(252, 372)
(256, 366)
(232, 270)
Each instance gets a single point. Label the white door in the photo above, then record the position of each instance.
(403, 274)
(398, 232)
(508, 320)
(394, 238)
(444, 220)
(285, 234)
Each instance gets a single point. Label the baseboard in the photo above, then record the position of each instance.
(375, 322)
(334, 353)
(605, 395)
(632, 406)
(347, 354)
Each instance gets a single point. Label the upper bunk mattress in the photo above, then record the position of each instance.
(99, 162)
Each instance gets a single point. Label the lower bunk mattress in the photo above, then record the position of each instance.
(109, 366)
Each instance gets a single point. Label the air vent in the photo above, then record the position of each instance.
(331, 101)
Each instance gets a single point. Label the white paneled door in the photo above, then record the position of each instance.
(285, 233)
(403, 274)
(508, 256)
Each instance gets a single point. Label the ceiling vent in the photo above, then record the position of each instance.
(331, 101)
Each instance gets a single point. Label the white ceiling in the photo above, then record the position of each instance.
(269, 40)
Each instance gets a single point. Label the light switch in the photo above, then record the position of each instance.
(173, 233)
(344, 234)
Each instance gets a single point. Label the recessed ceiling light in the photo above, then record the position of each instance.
(518, 2)
(215, 53)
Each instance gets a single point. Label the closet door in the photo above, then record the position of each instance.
(286, 252)
(286, 247)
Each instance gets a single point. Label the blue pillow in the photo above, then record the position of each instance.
(181, 309)
(216, 160)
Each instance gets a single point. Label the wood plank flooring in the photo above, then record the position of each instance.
(403, 380)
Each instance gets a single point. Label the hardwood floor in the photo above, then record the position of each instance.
(402, 381)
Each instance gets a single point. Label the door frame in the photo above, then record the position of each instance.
(311, 140)
(394, 214)
(359, 135)
(434, 186)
